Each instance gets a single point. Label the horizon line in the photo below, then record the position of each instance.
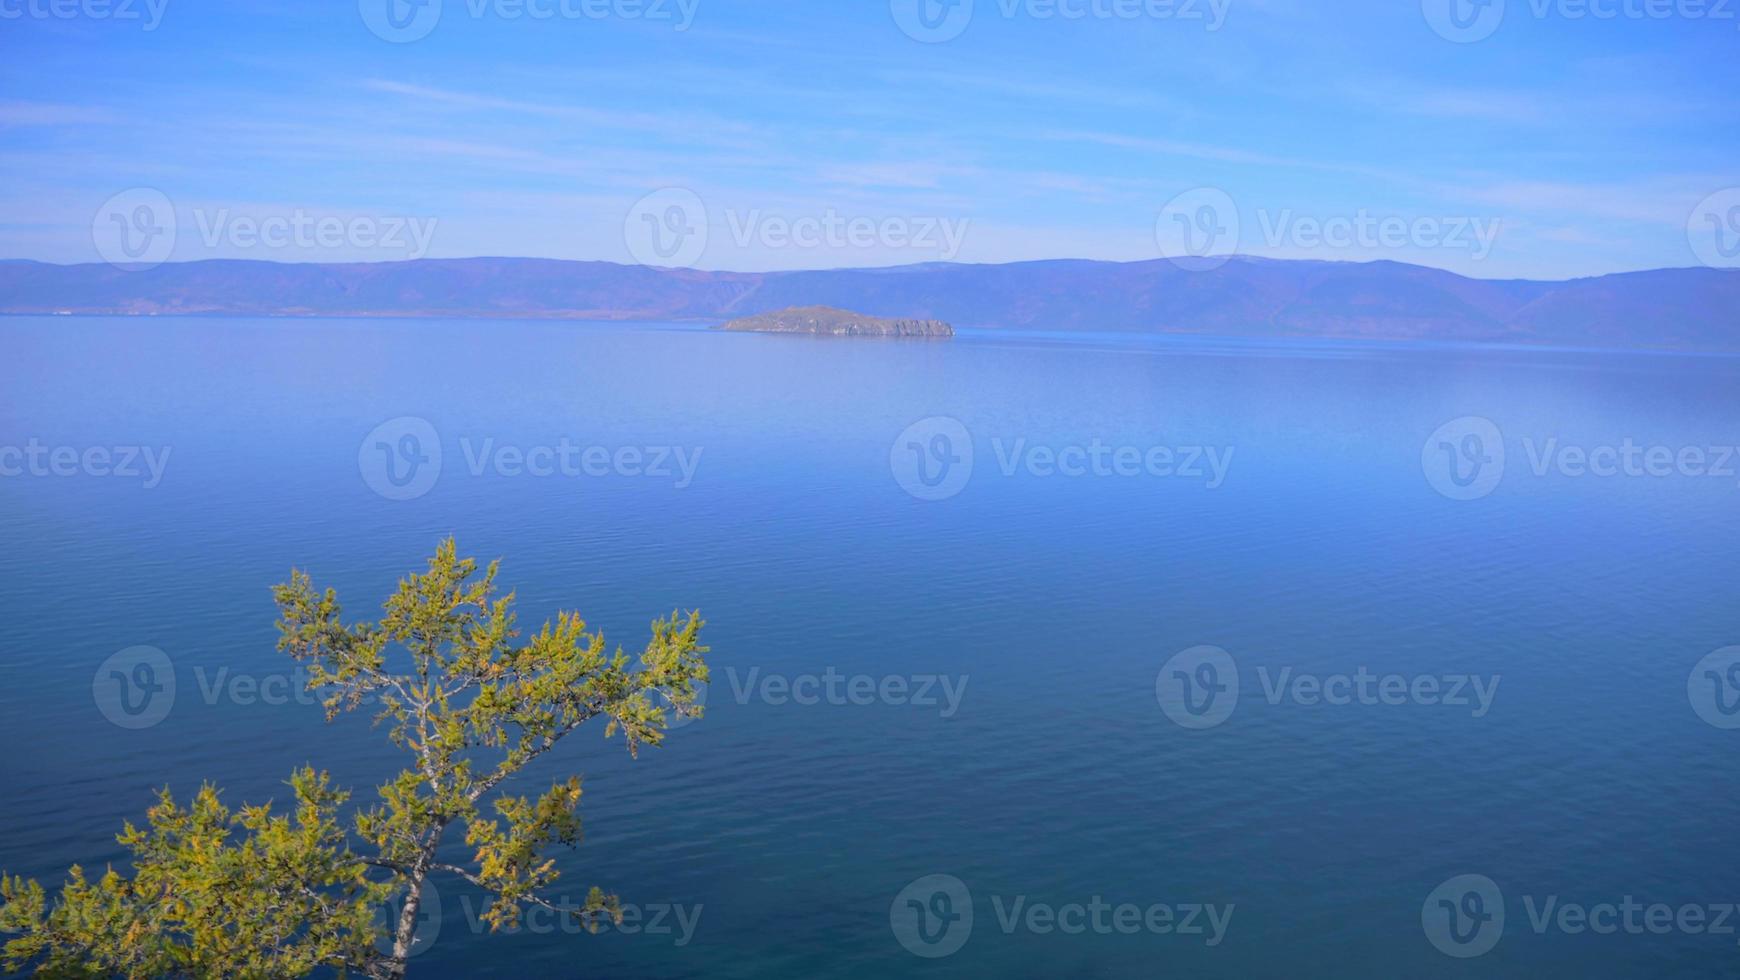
(871, 268)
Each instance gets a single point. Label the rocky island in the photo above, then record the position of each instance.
(827, 321)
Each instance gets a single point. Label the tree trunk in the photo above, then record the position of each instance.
(406, 933)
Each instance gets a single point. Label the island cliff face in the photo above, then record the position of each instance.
(828, 321)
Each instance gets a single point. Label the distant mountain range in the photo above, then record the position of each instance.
(1678, 309)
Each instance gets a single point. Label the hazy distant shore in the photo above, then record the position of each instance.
(1673, 309)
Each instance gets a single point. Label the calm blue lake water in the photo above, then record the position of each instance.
(1002, 686)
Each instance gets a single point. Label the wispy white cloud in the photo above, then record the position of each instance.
(1666, 201)
(1217, 154)
(709, 129)
(55, 114)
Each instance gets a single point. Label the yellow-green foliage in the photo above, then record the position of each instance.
(248, 894)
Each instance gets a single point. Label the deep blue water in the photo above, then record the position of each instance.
(1057, 601)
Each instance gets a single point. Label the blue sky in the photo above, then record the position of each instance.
(1555, 147)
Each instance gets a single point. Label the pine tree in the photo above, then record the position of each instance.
(252, 894)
